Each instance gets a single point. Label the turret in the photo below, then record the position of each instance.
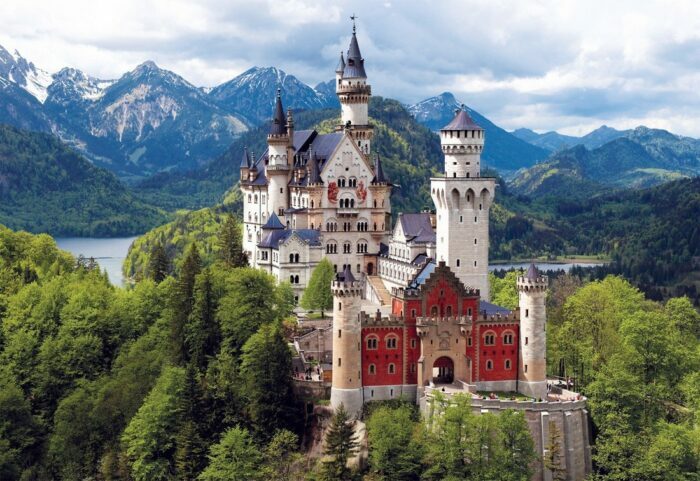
(280, 153)
(462, 142)
(347, 339)
(462, 201)
(245, 165)
(532, 373)
(354, 93)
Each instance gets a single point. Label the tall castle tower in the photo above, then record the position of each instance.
(354, 93)
(280, 152)
(347, 342)
(462, 201)
(532, 374)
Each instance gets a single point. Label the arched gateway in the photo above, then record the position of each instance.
(443, 370)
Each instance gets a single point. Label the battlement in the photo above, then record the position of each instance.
(377, 320)
(538, 283)
(346, 289)
(354, 89)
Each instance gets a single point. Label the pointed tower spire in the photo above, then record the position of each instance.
(341, 65)
(379, 177)
(314, 173)
(245, 160)
(278, 126)
(355, 66)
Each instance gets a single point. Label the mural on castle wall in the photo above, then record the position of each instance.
(361, 192)
(333, 192)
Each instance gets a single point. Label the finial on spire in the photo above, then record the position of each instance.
(279, 92)
(354, 17)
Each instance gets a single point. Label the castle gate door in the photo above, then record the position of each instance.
(443, 370)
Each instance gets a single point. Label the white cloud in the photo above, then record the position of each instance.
(547, 64)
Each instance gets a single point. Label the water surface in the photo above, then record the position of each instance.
(109, 253)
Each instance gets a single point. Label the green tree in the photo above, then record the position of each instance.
(317, 294)
(394, 450)
(202, 333)
(190, 447)
(504, 292)
(234, 458)
(149, 439)
(230, 243)
(182, 302)
(518, 448)
(341, 445)
(249, 302)
(283, 461)
(17, 428)
(266, 378)
(158, 263)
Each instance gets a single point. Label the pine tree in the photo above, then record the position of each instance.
(317, 294)
(341, 445)
(202, 333)
(230, 243)
(190, 447)
(182, 303)
(158, 263)
(552, 460)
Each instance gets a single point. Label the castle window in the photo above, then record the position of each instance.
(508, 338)
(281, 190)
(457, 262)
(262, 198)
(413, 343)
(469, 341)
(413, 313)
(392, 370)
(434, 311)
(525, 369)
(489, 365)
(372, 342)
(372, 369)
(449, 311)
(340, 362)
(358, 267)
(460, 219)
(489, 338)
(507, 364)
(527, 312)
(526, 340)
(474, 263)
(340, 306)
(469, 312)
(391, 342)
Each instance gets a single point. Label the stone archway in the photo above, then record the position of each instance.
(443, 370)
(370, 269)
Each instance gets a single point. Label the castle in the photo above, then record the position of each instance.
(410, 311)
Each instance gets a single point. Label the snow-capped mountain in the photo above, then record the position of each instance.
(503, 150)
(252, 94)
(17, 69)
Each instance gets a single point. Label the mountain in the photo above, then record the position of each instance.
(327, 90)
(252, 94)
(17, 69)
(147, 121)
(47, 187)
(503, 151)
(643, 158)
(553, 141)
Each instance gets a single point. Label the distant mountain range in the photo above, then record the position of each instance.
(639, 158)
(503, 151)
(554, 141)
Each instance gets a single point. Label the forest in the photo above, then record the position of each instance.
(187, 375)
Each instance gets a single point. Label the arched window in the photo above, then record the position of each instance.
(372, 342)
(508, 337)
(296, 258)
(489, 338)
(391, 342)
(434, 311)
(507, 364)
(489, 365)
(291, 257)
(392, 368)
(448, 311)
(372, 369)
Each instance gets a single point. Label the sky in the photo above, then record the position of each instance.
(561, 65)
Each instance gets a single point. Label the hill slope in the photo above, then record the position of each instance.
(47, 187)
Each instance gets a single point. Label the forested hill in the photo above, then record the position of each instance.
(47, 187)
(410, 153)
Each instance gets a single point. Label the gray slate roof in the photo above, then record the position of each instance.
(532, 272)
(273, 222)
(279, 123)
(274, 238)
(462, 121)
(355, 64)
(417, 228)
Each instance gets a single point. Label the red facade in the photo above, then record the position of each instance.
(492, 345)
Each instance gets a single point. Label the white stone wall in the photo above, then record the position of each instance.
(533, 337)
(462, 151)
(462, 235)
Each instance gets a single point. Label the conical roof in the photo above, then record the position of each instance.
(347, 274)
(462, 121)
(341, 64)
(245, 160)
(532, 272)
(379, 177)
(279, 122)
(273, 223)
(314, 174)
(355, 64)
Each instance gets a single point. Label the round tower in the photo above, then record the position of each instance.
(462, 201)
(347, 338)
(279, 152)
(532, 373)
(462, 142)
(354, 93)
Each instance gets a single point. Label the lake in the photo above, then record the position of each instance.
(109, 253)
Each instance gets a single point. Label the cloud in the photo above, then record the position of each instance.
(546, 64)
